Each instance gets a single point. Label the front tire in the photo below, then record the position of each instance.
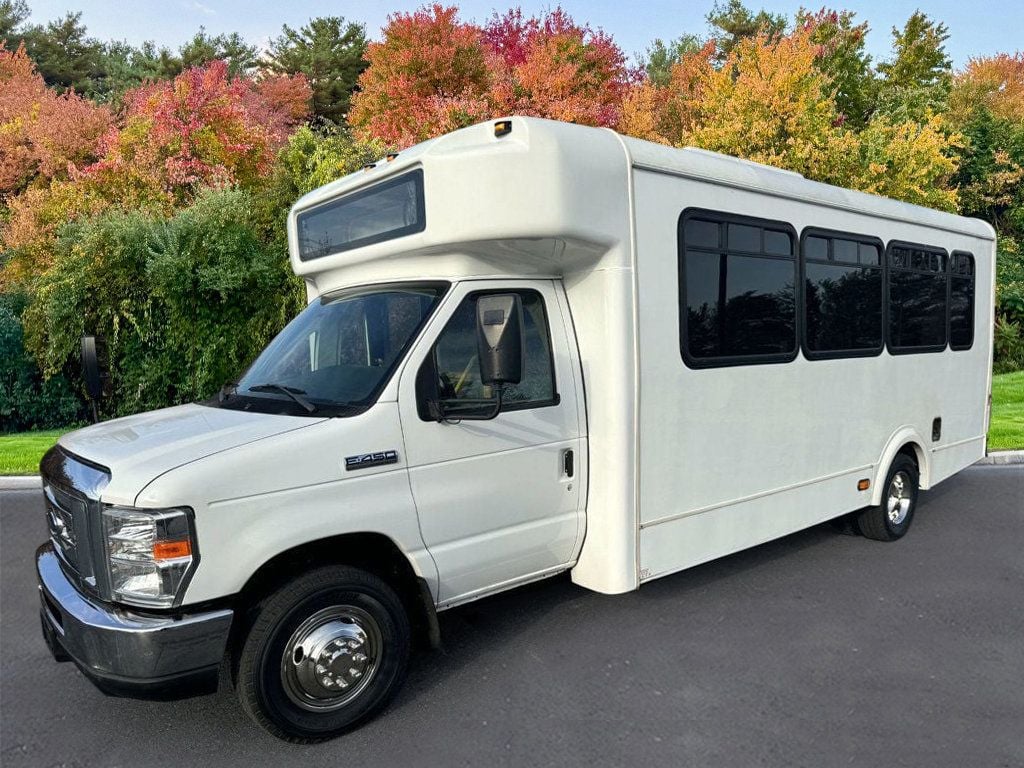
(325, 652)
(891, 519)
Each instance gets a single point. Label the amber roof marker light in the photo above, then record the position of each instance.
(502, 128)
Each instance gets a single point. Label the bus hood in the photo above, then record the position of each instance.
(137, 449)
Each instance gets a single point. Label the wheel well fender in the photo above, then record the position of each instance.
(905, 440)
(373, 552)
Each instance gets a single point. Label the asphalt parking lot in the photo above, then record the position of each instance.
(819, 649)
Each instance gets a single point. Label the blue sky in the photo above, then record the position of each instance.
(977, 28)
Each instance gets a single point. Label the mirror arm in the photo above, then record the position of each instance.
(438, 411)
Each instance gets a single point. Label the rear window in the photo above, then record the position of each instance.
(391, 209)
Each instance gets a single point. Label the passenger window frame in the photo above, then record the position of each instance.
(725, 218)
(973, 279)
(426, 384)
(889, 269)
(830, 235)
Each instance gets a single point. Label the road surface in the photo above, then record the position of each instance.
(819, 649)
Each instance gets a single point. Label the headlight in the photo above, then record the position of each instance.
(151, 554)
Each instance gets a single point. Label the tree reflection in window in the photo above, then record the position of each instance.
(739, 279)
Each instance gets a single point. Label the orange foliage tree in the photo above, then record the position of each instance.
(997, 82)
(42, 134)
(429, 75)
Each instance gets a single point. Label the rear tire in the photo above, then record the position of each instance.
(891, 519)
(325, 652)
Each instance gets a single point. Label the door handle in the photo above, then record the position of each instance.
(568, 462)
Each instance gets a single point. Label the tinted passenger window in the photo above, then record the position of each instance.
(737, 302)
(842, 296)
(917, 298)
(961, 300)
(458, 367)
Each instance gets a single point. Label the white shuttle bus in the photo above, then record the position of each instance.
(530, 347)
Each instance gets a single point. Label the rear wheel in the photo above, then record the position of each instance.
(325, 652)
(891, 519)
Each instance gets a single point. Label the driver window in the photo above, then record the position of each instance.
(458, 367)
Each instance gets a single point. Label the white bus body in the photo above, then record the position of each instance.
(677, 430)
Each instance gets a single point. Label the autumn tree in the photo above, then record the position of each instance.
(427, 76)
(987, 106)
(42, 134)
(770, 103)
(201, 129)
(177, 139)
(433, 73)
(550, 66)
(841, 56)
(328, 51)
(667, 114)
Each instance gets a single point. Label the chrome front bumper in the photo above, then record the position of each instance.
(126, 653)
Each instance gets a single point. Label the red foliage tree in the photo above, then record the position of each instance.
(201, 129)
(280, 103)
(552, 67)
(433, 73)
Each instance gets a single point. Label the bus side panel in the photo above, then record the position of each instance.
(734, 456)
(697, 538)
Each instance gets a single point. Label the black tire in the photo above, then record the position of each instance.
(876, 522)
(270, 690)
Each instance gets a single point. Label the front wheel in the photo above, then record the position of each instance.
(891, 519)
(325, 652)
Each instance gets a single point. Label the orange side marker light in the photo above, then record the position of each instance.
(169, 550)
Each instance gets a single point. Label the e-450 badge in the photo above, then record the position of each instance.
(367, 460)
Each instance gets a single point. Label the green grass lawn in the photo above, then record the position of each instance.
(20, 453)
(1006, 432)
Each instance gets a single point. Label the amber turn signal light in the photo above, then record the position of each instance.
(502, 127)
(170, 550)
(863, 485)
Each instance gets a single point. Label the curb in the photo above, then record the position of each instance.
(20, 482)
(1002, 458)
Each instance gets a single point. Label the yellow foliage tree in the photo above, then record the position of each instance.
(769, 102)
(907, 161)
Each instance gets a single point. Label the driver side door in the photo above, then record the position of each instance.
(498, 501)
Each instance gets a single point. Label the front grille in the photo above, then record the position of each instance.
(64, 514)
(71, 489)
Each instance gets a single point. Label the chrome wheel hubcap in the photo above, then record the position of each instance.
(899, 498)
(331, 658)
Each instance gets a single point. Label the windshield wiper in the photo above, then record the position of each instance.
(292, 392)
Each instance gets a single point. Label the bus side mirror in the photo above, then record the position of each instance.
(92, 372)
(501, 346)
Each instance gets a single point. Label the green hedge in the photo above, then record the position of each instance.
(26, 400)
(184, 304)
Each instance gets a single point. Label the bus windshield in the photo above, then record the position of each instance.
(336, 356)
